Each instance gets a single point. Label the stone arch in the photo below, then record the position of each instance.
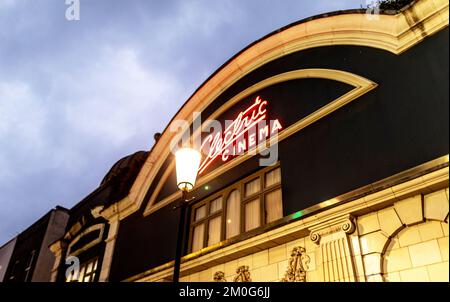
(393, 33)
(380, 233)
(417, 253)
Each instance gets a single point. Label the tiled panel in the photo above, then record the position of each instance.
(410, 210)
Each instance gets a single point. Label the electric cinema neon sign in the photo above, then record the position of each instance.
(234, 141)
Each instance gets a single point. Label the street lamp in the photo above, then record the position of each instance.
(187, 163)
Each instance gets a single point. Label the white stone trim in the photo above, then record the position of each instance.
(100, 226)
(301, 228)
(394, 33)
(109, 249)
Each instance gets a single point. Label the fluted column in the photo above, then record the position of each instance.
(336, 254)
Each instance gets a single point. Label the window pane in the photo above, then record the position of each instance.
(273, 177)
(80, 277)
(233, 214)
(214, 230)
(14, 270)
(252, 215)
(27, 274)
(274, 206)
(200, 213)
(197, 237)
(30, 259)
(252, 187)
(89, 268)
(216, 205)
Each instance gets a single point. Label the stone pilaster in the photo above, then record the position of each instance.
(332, 236)
(109, 249)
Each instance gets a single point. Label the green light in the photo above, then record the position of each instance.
(297, 215)
(206, 188)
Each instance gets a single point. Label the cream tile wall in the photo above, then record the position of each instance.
(424, 258)
(407, 241)
(265, 266)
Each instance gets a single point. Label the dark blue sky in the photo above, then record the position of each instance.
(76, 96)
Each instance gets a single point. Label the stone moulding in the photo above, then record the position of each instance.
(326, 222)
(345, 224)
(393, 33)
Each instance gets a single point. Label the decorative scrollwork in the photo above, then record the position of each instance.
(348, 226)
(298, 264)
(315, 237)
(219, 277)
(342, 224)
(243, 274)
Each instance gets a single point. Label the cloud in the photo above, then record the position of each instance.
(107, 103)
(77, 96)
(114, 98)
(22, 123)
(201, 18)
(4, 4)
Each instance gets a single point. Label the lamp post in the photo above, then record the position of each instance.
(187, 163)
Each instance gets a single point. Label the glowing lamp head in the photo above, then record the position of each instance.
(187, 164)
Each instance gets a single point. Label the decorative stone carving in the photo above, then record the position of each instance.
(344, 224)
(297, 266)
(348, 226)
(315, 237)
(332, 238)
(219, 277)
(96, 212)
(243, 274)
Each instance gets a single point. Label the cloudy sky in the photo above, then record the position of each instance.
(76, 96)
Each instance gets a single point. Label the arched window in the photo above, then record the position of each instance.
(233, 221)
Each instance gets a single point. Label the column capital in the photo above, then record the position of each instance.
(344, 223)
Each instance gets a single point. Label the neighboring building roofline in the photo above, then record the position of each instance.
(8, 242)
(39, 221)
(105, 184)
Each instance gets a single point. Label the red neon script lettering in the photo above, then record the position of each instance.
(220, 143)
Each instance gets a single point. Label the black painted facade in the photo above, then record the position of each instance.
(400, 124)
(114, 186)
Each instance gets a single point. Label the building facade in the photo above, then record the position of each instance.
(82, 253)
(328, 162)
(5, 255)
(30, 258)
(359, 191)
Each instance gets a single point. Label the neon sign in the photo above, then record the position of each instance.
(233, 140)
